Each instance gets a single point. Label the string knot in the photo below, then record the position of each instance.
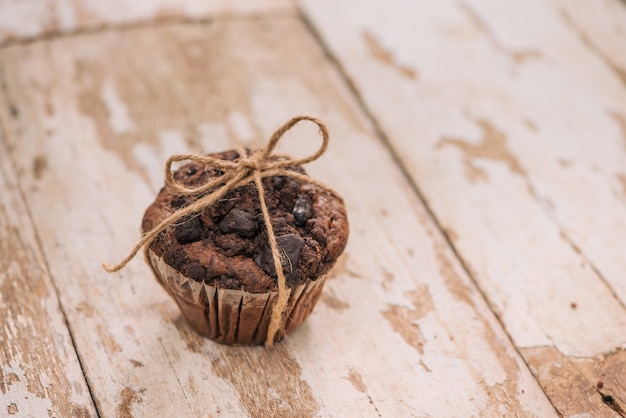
(245, 169)
(253, 162)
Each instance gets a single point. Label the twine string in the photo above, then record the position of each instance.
(244, 170)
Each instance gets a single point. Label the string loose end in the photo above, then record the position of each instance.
(110, 269)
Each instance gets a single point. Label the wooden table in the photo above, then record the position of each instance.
(480, 146)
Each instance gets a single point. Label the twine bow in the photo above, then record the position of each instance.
(245, 169)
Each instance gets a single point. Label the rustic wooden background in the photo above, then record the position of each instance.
(481, 149)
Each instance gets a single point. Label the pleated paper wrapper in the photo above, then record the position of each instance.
(234, 316)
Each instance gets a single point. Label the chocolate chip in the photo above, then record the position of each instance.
(239, 221)
(278, 182)
(302, 211)
(178, 202)
(175, 256)
(191, 170)
(290, 245)
(194, 270)
(189, 231)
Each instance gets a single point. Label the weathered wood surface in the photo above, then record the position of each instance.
(34, 19)
(509, 302)
(399, 313)
(39, 372)
(511, 119)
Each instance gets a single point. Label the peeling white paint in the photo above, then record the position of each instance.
(28, 404)
(45, 380)
(119, 118)
(172, 142)
(241, 127)
(147, 158)
(213, 137)
(27, 19)
(22, 17)
(66, 14)
(152, 160)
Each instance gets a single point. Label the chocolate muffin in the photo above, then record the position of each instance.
(218, 265)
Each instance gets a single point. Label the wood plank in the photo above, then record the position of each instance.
(29, 19)
(509, 129)
(39, 371)
(601, 26)
(400, 330)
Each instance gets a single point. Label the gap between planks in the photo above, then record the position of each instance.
(412, 183)
(39, 248)
(378, 140)
(103, 27)
(559, 228)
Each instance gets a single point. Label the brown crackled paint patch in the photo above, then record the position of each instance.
(136, 363)
(12, 409)
(571, 382)
(403, 319)
(40, 165)
(384, 56)
(128, 397)
(492, 147)
(357, 380)
(85, 309)
(269, 381)
(110, 345)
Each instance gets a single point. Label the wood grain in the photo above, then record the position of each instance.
(601, 26)
(513, 131)
(24, 20)
(401, 330)
(39, 372)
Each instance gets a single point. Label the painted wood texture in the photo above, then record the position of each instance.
(482, 159)
(39, 372)
(400, 330)
(510, 119)
(33, 19)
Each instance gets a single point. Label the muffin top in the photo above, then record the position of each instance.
(226, 244)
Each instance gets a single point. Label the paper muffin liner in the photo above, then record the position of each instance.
(234, 316)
